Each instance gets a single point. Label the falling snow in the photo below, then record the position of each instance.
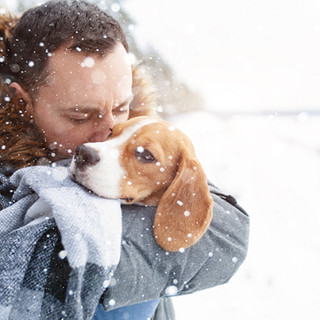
(14, 67)
(180, 203)
(234, 259)
(111, 302)
(271, 164)
(171, 291)
(140, 149)
(62, 254)
(115, 7)
(88, 62)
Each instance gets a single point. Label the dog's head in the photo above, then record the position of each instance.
(147, 160)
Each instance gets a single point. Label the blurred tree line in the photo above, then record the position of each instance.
(173, 95)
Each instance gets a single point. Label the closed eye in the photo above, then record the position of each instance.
(78, 120)
(79, 117)
(120, 110)
(144, 155)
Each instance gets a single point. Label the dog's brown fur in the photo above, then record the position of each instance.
(19, 142)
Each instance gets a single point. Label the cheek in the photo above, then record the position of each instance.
(46, 120)
(66, 135)
(71, 137)
(53, 129)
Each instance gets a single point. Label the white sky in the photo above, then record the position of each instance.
(241, 55)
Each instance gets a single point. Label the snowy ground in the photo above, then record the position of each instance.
(271, 164)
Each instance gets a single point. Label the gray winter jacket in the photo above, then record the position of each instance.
(146, 271)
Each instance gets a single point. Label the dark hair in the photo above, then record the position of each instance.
(43, 29)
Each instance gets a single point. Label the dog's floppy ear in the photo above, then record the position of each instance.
(185, 210)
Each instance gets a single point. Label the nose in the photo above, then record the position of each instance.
(85, 156)
(103, 128)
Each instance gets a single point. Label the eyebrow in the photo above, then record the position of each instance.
(88, 109)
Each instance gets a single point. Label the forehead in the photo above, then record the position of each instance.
(64, 60)
(71, 72)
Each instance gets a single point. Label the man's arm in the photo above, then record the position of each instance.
(147, 272)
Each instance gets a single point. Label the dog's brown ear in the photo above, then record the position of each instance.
(185, 210)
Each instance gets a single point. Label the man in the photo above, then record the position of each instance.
(70, 81)
(85, 105)
(74, 78)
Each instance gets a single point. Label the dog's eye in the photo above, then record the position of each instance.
(144, 155)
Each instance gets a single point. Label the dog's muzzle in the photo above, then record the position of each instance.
(85, 156)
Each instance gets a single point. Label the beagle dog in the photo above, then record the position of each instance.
(148, 161)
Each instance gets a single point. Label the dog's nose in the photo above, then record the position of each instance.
(86, 156)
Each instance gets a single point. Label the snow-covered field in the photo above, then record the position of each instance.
(272, 165)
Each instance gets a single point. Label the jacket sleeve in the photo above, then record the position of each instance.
(147, 272)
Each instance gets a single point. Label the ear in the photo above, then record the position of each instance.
(22, 94)
(185, 210)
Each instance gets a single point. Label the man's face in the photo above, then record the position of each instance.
(82, 99)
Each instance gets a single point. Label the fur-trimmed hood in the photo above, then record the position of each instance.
(19, 143)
